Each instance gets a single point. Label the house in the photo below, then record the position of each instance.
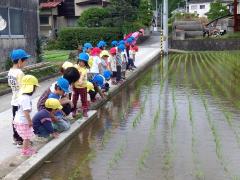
(18, 27)
(201, 7)
(55, 14)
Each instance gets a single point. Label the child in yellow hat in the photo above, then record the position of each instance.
(22, 120)
(42, 120)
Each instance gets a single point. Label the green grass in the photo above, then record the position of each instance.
(56, 55)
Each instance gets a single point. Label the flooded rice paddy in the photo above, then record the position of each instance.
(179, 120)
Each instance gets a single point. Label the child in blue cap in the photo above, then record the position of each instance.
(60, 123)
(80, 87)
(102, 45)
(19, 58)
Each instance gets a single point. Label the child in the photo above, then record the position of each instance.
(129, 42)
(22, 120)
(60, 123)
(107, 75)
(60, 90)
(132, 54)
(42, 121)
(80, 87)
(124, 63)
(113, 63)
(96, 64)
(114, 43)
(65, 66)
(102, 45)
(91, 91)
(96, 68)
(87, 47)
(15, 74)
(105, 63)
(120, 49)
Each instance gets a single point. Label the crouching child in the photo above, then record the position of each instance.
(42, 121)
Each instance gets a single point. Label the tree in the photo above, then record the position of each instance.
(217, 9)
(145, 12)
(93, 17)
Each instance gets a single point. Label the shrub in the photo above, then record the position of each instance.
(39, 51)
(8, 64)
(131, 27)
(52, 44)
(71, 38)
(93, 17)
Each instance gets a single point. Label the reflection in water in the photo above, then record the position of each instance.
(179, 120)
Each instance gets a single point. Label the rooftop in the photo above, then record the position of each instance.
(50, 4)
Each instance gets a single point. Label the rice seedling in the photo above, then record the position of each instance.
(75, 175)
(118, 154)
(169, 154)
(215, 134)
(227, 114)
(198, 172)
(170, 70)
(150, 143)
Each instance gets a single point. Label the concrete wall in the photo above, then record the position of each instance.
(205, 44)
(30, 30)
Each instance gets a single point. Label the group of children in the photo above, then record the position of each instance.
(91, 74)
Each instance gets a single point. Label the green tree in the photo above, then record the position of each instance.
(217, 9)
(93, 17)
(145, 12)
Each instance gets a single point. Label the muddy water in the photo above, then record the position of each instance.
(179, 120)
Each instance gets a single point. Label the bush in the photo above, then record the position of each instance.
(52, 45)
(71, 38)
(93, 17)
(8, 64)
(129, 27)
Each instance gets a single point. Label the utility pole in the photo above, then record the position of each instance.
(161, 16)
(156, 20)
(165, 26)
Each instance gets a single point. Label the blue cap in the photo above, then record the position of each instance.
(107, 74)
(88, 46)
(121, 47)
(129, 40)
(98, 79)
(121, 42)
(101, 44)
(133, 38)
(83, 57)
(19, 54)
(63, 84)
(114, 43)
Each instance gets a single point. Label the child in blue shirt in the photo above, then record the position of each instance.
(42, 121)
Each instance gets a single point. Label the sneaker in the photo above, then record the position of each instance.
(14, 142)
(74, 114)
(40, 139)
(19, 144)
(85, 114)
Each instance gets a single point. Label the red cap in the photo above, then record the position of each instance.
(113, 50)
(95, 51)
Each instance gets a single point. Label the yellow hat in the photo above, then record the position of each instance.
(104, 53)
(53, 104)
(66, 65)
(90, 86)
(27, 83)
